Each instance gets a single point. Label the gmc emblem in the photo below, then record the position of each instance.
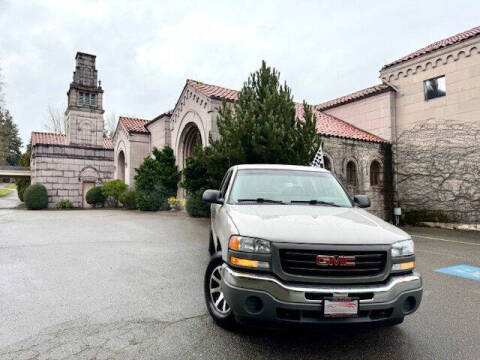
(332, 260)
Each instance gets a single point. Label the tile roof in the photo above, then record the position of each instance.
(59, 139)
(134, 125)
(213, 91)
(326, 124)
(370, 91)
(48, 138)
(107, 143)
(331, 126)
(438, 45)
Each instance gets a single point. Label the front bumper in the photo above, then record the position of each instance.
(264, 298)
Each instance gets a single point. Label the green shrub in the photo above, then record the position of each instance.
(414, 217)
(156, 180)
(114, 188)
(36, 197)
(154, 200)
(196, 207)
(129, 199)
(64, 204)
(95, 196)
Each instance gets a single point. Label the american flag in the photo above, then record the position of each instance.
(318, 159)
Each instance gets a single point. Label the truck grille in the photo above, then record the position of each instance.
(304, 262)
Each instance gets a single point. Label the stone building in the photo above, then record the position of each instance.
(71, 164)
(349, 151)
(428, 107)
(411, 141)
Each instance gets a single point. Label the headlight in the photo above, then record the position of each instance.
(248, 244)
(403, 248)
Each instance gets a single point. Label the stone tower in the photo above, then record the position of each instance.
(84, 114)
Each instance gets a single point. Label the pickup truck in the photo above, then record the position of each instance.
(289, 246)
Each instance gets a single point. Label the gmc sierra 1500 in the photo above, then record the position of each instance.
(289, 245)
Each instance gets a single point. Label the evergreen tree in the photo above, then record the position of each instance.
(156, 180)
(261, 127)
(23, 183)
(10, 142)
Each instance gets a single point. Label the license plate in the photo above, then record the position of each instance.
(340, 307)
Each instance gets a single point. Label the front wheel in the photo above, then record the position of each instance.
(214, 298)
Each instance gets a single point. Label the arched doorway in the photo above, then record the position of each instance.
(121, 166)
(188, 140)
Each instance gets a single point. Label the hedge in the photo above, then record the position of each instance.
(36, 197)
(95, 196)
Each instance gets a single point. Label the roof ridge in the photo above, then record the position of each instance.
(47, 133)
(451, 40)
(356, 95)
(203, 83)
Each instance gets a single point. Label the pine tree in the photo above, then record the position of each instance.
(10, 142)
(156, 180)
(261, 127)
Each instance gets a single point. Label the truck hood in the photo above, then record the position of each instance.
(313, 224)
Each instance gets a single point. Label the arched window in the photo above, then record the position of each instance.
(375, 173)
(352, 174)
(327, 163)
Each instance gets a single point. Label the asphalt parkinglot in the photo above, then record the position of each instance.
(128, 285)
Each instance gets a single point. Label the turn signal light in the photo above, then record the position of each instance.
(233, 243)
(404, 266)
(249, 263)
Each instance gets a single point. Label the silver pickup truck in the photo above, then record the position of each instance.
(290, 246)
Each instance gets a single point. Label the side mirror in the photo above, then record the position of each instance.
(362, 201)
(212, 197)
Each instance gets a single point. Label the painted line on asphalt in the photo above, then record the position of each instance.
(446, 240)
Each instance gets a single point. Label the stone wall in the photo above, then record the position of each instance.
(64, 169)
(340, 151)
(437, 151)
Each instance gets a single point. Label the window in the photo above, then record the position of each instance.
(93, 99)
(351, 174)
(434, 88)
(327, 164)
(375, 173)
(287, 186)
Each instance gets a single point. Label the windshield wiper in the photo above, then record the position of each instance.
(261, 201)
(314, 202)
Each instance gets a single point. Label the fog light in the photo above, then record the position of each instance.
(253, 304)
(249, 263)
(409, 304)
(404, 266)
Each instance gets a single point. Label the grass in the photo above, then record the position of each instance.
(7, 190)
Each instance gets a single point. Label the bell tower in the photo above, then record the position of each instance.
(84, 114)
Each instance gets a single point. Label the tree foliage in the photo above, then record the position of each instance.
(263, 126)
(23, 183)
(10, 142)
(156, 180)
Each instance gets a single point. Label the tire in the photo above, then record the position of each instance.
(219, 310)
(211, 244)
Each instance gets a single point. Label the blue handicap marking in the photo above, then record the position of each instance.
(466, 271)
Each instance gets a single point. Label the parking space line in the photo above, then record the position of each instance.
(445, 240)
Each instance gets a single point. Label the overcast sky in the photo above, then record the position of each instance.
(147, 49)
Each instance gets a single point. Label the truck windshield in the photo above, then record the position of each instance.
(297, 187)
